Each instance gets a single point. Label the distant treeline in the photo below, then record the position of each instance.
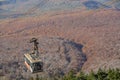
(111, 74)
(115, 1)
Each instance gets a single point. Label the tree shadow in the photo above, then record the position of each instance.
(94, 5)
(79, 48)
(117, 6)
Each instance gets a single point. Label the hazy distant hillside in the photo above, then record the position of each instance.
(25, 7)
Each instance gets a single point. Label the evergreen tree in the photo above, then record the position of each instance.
(70, 76)
(110, 74)
(91, 76)
(82, 76)
(102, 75)
(37, 77)
(31, 78)
(117, 74)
